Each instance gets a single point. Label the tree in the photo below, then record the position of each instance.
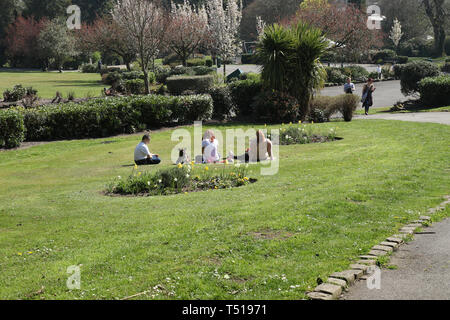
(11, 9)
(145, 24)
(346, 26)
(188, 29)
(260, 26)
(22, 40)
(224, 23)
(290, 58)
(56, 43)
(437, 15)
(396, 33)
(106, 36)
(46, 9)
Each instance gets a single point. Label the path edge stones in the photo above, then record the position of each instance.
(338, 282)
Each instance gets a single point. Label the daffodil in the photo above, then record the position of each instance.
(180, 166)
(135, 167)
(206, 168)
(139, 174)
(19, 253)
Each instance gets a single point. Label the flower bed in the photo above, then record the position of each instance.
(180, 179)
(304, 134)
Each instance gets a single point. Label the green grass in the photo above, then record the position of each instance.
(387, 110)
(328, 204)
(47, 83)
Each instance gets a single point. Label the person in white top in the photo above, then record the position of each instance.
(260, 148)
(210, 147)
(380, 72)
(142, 155)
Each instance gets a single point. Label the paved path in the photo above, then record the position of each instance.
(423, 271)
(387, 94)
(433, 117)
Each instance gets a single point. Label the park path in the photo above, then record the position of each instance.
(423, 270)
(432, 117)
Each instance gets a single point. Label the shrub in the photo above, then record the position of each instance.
(196, 62)
(317, 116)
(249, 59)
(209, 62)
(346, 104)
(357, 73)
(435, 92)
(15, 94)
(112, 78)
(275, 107)
(199, 84)
(132, 75)
(447, 46)
(446, 67)
(335, 75)
(303, 134)
(411, 73)
(224, 106)
(385, 55)
(250, 76)
(136, 86)
(243, 93)
(203, 70)
(402, 59)
(105, 117)
(162, 73)
(89, 68)
(12, 130)
(171, 59)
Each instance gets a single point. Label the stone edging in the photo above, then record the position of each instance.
(340, 281)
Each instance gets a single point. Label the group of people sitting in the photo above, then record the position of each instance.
(260, 150)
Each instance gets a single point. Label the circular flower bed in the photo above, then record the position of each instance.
(180, 179)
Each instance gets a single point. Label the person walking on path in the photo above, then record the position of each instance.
(367, 95)
(380, 72)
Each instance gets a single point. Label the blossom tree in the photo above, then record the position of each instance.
(260, 26)
(344, 25)
(396, 33)
(187, 29)
(224, 24)
(145, 24)
(105, 35)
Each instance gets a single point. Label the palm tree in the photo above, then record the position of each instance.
(290, 61)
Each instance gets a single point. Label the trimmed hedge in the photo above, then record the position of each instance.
(411, 73)
(12, 129)
(199, 84)
(111, 116)
(435, 92)
(345, 104)
(243, 93)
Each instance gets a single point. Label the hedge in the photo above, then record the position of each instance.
(411, 73)
(244, 93)
(199, 84)
(435, 92)
(111, 116)
(12, 130)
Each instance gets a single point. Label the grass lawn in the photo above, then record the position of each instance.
(386, 110)
(269, 240)
(47, 83)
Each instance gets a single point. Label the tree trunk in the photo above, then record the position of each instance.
(224, 72)
(128, 65)
(147, 84)
(436, 13)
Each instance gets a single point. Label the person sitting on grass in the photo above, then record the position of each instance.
(210, 148)
(142, 155)
(260, 149)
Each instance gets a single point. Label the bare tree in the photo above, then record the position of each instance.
(145, 23)
(436, 13)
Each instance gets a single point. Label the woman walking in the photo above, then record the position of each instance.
(367, 95)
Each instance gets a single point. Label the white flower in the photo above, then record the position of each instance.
(187, 176)
(148, 183)
(160, 181)
(226, 276)
(119, 177)
(175, 179)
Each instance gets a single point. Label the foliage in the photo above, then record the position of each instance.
(183, 178)
(12, 130)
(56, 44)
(224, 23)
(396, 33)
(199, 84)
(248, 58)
(303, 134)
(187, 29)
(435, 92)
(135, 86)
(446, 67)
(195, 62)
(243, 93)
(290, 61)
(386, 55)
(224, 106)
(402, 59)
(411, 73)
(89, 68)
(275, 107)
(335, 75)
(18, 92)
(345, 104)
